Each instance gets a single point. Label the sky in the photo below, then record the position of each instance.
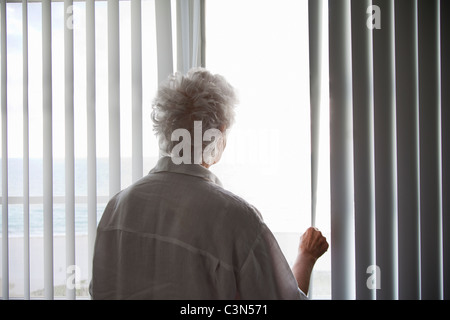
(14, 34)
(264, 53)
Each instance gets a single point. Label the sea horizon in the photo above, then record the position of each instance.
(15, 191)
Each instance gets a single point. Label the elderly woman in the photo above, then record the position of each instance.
(176, 233)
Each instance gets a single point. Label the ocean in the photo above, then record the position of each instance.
(284, 206)
(282, 199)
(15, 192)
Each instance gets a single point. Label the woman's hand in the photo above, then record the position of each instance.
(312, 245)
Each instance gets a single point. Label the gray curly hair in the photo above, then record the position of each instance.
(197, 96)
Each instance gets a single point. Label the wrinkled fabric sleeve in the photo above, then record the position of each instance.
(265, 274)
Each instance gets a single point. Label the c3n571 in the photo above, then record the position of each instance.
(245, 309)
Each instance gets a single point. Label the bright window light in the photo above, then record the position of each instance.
(262, 48)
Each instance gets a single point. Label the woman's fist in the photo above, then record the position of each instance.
(313, 243)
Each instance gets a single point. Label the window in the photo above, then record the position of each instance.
(17, 265)
(262, 49)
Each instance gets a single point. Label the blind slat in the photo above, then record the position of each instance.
(5, 245)
(362, 74)
(163, 39)
(407, 149)
(26, 165)
(190, 34)
(184, 36)
(114, 97)
(69, 145)
(445, 115)
(47, 147)
(430, 149)
(195, 10)
(136, 61)
(341, 171)
(91, 131)
(315, 67)
(385, 154)
(202, 35)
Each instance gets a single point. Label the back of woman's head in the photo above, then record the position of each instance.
(197, 96)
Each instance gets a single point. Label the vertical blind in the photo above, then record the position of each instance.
(445, 114)
(389, 138)
(388, 72)
(189, 16)
(5, 265)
